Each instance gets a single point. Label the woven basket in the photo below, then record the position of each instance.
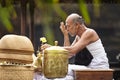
(17, 48)
(16, 72)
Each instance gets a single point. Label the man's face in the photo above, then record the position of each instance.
(71, 28)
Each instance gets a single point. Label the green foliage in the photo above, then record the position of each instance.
(84, 11)
(47, 7)
(96, 4)
(6, 12)
(46, 16)
(59, 11)
(5, 18)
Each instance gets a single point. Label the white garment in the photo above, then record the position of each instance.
(100, 60)
(69, 76)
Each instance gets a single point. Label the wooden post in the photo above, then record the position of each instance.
(23, 16)
(31, 26)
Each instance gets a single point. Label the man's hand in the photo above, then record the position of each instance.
(70, 55)
(63, 29)
(44, 46)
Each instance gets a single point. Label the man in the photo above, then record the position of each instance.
(85, 37)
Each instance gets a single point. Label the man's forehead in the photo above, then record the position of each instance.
(68, 21)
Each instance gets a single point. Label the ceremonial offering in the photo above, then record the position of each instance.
(16, 48)
(16, 72)
(55, 62)
(16, 58)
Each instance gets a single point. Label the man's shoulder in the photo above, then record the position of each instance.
(90, 31)
(91, 35)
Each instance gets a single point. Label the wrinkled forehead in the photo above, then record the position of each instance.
(68, 20)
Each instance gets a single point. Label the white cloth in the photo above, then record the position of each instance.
(69, 76)
(100, 60)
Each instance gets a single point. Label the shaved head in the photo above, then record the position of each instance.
(74, 17)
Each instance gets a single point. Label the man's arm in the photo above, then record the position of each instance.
(65, 34)
(87, 37)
